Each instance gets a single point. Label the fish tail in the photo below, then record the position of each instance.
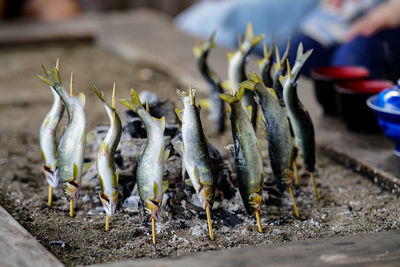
(230, 99)
(51, 77)
(134, 104)
(102, 97)
(301, 59)
(249, 35)
(200, 48)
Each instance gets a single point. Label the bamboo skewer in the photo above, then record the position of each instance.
(259, 221)
(71, 85)
(315, 186)
(296, 212)
(107, 222)
(210, 231)
(153, 230)
(50, 197)
(296, 175)
(71, 207)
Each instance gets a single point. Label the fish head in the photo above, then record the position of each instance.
(254, 202)
(151, 207)
(206, 196)
(70, 189)
(51, 176)
(109, 202)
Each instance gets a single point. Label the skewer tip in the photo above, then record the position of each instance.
(259, 221)
(57, 63)
(107, 222)
(153, 229)
(315, 186)
(71, 208)
(50, 197)
(296, 212)
(113, 97)
(71, 85)
(210, 231)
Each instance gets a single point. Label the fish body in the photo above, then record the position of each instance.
(280, 145)
(149, 172)
(246, 154)
(107, 173)
(280, 69)
(48, 140)
(237, 72)
(72, 144)
(194, 149)
(299, 117)
(217, 108)
(265, 65)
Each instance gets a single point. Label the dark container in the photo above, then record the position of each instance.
(351, 104)
(325, 79)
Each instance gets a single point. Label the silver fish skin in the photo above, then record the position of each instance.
(280, 69)
(72, 144)
(194, 149)
(106, 170)
(300, 119)
(217, 106)
(265, 65)
(237, 65)
(280, 141)
(246, 153)
(151, 162)
(48, 140)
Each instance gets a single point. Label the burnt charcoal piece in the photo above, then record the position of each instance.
(135, 128)
(172, 130)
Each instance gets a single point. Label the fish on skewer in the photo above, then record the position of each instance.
(280, 69)
(280, 141)
(237, 66)
(195, 157)
(265, 65)
(300, 119)
(247, 156)
(108, 176)
(149, 172)
(217, 107)
(71, 148)
(48, 142)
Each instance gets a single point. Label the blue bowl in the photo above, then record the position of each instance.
(388, 113)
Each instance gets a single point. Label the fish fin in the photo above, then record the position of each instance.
(155, 189)
(205, 103)
(226, 84)
(161, 122)
(179, 113)
(178, 146)
(249, 35)
(231, 149)
(43, 155)
(51, 77)
(230, 55)
(300, 59)
(233, 98)
(75, 171)
(211, 39)
(86, 166)
(165, 185)
(284, 79)
(248, 84)
(188, 182)
(134, 104)
(102, 97)
(166, 154)
(249, 111)
(197, 51)
(81, 99)
(116, 177)
(196, 174)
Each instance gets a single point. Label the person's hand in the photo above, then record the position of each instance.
(384, 16)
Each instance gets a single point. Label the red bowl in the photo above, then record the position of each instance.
(351, 104)
(325, 78)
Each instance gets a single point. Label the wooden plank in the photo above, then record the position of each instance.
(19, 248)
(376, 249)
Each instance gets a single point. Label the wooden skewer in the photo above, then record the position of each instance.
(315, 186)
(296, 212)
(191, 95)
(50, 198)
(57, 63)
(153, 229)
(296, 175)
(240, 43)
(210, 231)
(107, 222)
(71, 85)
(71, 207)
(113, 97)
(147, 106)
(259, 221)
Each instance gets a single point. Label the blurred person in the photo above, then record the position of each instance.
(47, 10)
(353, 32)
(230, 17)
